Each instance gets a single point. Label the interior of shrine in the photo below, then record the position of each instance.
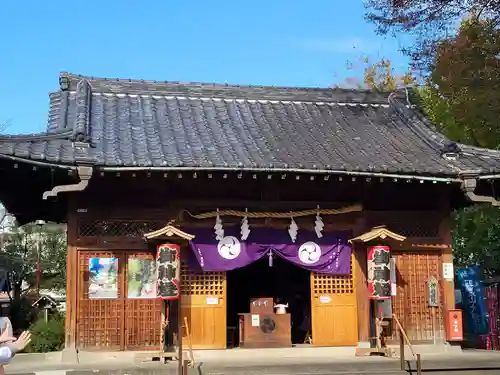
(277, 279)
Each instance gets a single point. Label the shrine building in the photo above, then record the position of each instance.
(296, 210)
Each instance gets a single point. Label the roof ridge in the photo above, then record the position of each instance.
(43, 136)
(69, 81)
(78, 77)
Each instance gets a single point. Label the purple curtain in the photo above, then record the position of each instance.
(330, 254)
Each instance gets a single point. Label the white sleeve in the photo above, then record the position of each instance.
(5, 355)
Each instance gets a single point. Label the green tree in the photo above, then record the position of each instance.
(461, 97)
(427, 22)
(25, 247)
(475, 229)
(464, 84)
(379, 75)
(476, 238)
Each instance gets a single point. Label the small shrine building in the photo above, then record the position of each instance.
(275, 192)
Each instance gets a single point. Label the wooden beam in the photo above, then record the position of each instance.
(260, 204)
(169, 231)
(378, 233)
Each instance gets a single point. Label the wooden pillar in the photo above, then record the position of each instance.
(71, 275)
(444, 231)
(362, 293)
(447, 257)
(362, 301)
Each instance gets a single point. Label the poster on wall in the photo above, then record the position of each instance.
(141, 275)
(103, 278)
(379, 272)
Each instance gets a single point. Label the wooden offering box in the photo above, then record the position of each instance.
(265, 330)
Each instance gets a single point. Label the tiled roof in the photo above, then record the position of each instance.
(130, 123)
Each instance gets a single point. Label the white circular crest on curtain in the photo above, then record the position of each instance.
(309, 252)
(229, 247)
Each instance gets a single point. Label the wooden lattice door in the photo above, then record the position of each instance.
(411, 304)
(100, 318)
(203, 302)
(142, 308)
(334, 310)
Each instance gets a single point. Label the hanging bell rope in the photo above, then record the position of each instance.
(277, 215)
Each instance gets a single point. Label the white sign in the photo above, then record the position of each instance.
(229, 247)
(309, 252)
(394, 286)
(212, 301)
(448, 273)
(255, 320)
(325, 299)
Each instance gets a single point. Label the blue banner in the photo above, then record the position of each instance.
(473, 300)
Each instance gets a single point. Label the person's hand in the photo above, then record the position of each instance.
(6, 339)
(21, 342)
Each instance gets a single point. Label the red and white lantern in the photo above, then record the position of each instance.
(379, 272)
(168, 269)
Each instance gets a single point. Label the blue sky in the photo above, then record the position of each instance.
(273, 42)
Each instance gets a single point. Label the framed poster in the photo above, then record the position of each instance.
(103, 278)
(141, 278)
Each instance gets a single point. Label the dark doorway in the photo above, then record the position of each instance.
(284, 282)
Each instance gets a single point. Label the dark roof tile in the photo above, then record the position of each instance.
(157, 124)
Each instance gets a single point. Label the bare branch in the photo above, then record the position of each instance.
(4, 126)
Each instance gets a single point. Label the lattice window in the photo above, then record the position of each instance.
(206, 283)
(115, 228)
(408, 224)
(333, 284)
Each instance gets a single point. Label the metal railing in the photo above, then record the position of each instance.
(403, 337)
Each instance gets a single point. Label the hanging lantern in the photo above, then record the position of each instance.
(168, 260)
(379, 272)
(318, 225)
(245, 228)
(218, 228)
(293, 230)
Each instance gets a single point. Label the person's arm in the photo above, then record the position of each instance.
(9, 350)
(6, 355)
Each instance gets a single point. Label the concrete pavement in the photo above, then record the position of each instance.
(257, 362)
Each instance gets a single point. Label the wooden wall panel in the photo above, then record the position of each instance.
(203, 303)
(413, 270)
(334, 309)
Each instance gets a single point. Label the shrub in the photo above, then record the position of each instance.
(47, 336)
(22, 314)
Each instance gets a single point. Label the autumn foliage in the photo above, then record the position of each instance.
(466, 75)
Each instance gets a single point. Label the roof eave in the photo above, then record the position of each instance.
(39, 163)
(428, 177)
